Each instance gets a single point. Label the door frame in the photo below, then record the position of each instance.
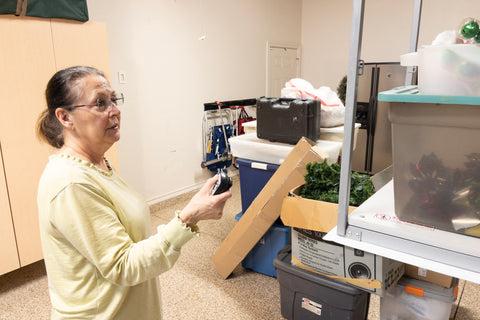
(289, 45)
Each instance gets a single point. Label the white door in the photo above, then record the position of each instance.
(283, 64)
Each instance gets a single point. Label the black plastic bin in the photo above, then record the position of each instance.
(306, 295)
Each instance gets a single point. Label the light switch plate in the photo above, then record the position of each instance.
(122, 77)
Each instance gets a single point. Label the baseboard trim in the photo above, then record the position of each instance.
(171, 195)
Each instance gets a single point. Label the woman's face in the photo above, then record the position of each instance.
(93, 129)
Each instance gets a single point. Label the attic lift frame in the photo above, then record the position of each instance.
(435, 258)
(351, 97)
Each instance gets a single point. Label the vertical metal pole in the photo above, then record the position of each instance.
(417, 12)
(350, 111)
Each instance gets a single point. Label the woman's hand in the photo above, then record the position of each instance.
(204, 206)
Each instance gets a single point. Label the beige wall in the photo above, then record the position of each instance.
(386, 32)
(170, 74)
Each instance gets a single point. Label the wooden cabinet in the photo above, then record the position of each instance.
(9, 259)
(32, 49)
(26, 63)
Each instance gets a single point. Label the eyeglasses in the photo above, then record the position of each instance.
(103, 103)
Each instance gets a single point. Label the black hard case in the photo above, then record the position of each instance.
(287, 120)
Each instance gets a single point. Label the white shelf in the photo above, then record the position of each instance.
(431, 249)
(373, 227)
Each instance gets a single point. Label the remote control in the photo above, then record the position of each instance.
(223, 183)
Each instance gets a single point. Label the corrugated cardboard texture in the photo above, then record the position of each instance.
(428, 276)
(366, 283)
(266, 207)
(309, 214)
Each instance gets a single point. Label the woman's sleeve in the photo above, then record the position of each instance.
(87, 220)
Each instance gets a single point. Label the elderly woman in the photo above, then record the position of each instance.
(102, 261)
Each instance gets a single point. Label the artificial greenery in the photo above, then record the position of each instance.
(322, 182)
(342, 89)
(438, 187)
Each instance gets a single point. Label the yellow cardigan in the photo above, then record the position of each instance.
(102, 261)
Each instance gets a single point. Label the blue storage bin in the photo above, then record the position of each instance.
(254, 176)
(260, 258)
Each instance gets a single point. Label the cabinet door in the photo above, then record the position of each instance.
(83, 44)
(26, 64)
(8, 247)
(32, 49)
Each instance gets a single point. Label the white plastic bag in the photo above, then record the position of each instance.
(333, 110)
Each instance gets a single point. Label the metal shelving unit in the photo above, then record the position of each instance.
(436, 250)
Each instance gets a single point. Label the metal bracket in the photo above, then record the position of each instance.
(355, 235)
(361, 67)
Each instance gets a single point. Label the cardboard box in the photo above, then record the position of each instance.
(317, 215)
(309, 214)
(311, 219)
(363, 269)
(428, 276)
(260, 258)
(266, 207)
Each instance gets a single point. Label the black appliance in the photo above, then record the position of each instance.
(373, 151)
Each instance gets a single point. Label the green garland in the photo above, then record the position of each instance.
(322, 182)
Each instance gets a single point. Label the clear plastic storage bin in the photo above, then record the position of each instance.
(414, 299)
(249, 146)
(451, 69)
(436, 159)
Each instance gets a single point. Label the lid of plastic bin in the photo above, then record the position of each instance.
(337, 129)
(256, 164)
(429, 290)
(411, 94)
(250, 124)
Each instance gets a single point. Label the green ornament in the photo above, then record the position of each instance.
(470, 29)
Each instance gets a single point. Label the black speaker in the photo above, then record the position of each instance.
(359, 270)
